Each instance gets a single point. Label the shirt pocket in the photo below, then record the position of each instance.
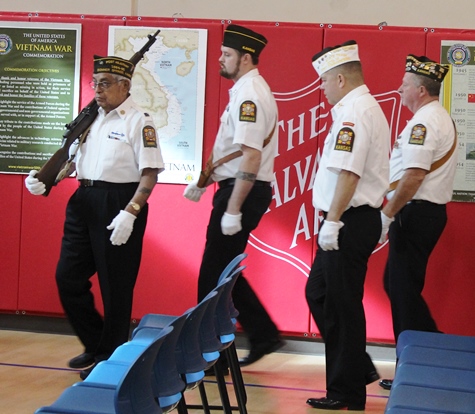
(117, 153)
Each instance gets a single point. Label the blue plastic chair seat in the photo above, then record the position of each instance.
(435, 377)
(116, 387)
(435, 340)
(432, 400)
(87, 400)
(437, 357)
(400, 410)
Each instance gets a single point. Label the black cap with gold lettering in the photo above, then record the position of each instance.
(244, 39)
(113, 65)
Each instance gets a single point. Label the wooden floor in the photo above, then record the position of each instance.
(33, 373)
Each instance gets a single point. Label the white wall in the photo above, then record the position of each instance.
(414, 13)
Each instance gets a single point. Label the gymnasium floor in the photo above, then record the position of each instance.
(33, 373)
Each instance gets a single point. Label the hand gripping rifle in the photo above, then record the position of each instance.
(52, 171)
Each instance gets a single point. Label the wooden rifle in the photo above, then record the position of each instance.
(52, 171)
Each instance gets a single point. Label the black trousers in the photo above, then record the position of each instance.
(412, 238)
(220, 250)
(334, 293)
(85, 250)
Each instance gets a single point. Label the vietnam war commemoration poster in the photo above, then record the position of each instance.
(39, 91)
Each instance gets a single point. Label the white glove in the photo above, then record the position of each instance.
(328, 235)
(231, 224)
(34, 186)
(193, 192)
(122, 227)
(386, 222)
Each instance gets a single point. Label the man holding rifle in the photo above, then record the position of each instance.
(117, 166)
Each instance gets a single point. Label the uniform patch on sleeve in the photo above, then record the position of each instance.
(149, 137)
(345, 140)
(418, 134)
(248, 111)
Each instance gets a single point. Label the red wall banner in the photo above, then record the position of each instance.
(282, 249)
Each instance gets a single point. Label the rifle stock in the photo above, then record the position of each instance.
(48, 174)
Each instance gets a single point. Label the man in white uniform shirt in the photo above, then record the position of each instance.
(422, 171)
(245, 148)
(117, 167)
(349, 188)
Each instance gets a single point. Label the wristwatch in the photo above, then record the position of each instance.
(135, 206)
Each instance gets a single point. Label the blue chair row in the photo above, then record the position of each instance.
(166, 356)
(121, 387)
(200, 344)
(435, 373)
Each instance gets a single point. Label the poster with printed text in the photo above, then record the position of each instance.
(459, 99)
(39, 92)
(169, 84)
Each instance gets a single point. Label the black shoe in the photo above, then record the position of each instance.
(371, 377)
(210, 371)
(85, 372)
(81, 361)
(386, 384)
(328, 404)
(258, 351)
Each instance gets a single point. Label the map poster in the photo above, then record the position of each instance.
(39, 92)
(459, 100)
(169, 83)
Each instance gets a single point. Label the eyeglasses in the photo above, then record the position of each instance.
(104, 85)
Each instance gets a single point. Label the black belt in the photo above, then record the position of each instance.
(351, 210)
(104, 184)
(231, 181)
(423, 202)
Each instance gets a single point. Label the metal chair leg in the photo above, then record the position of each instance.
(204, 398)
(236, 374)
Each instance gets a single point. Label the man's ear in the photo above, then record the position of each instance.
(341, 80)
(246, 57)
(127, 83)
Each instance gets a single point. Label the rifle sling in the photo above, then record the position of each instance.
(211, 166)
(63, 173)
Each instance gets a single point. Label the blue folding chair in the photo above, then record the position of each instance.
(115, 387)
(225, 327)
(189, 359)
(211, 346)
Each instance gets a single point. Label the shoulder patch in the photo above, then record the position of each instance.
(345, 140)
(248, 111)
(418, 134)
(149, 137)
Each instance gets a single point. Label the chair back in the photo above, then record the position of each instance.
(209, 338)
(134, 393)
(232, 265)
(225, 310)
(189, 358)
